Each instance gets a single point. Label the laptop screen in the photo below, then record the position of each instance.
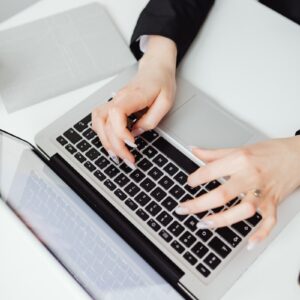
(101, 262)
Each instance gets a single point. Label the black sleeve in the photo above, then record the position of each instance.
(178, 20)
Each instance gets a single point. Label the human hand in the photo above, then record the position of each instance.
(271, 167)
(153, 87)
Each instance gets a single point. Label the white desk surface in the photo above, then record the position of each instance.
(247, 58)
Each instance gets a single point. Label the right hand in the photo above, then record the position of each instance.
(153, 87)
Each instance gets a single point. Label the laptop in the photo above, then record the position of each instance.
(97, 258)
(8, 8)
(139, 204)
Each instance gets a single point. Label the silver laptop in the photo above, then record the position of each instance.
(8, 8)
(139, 204)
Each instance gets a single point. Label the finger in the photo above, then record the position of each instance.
(155, 113)
(118, 147)
(268, 213)
(215, 198)
(98, 125)
(242, 211)
(214, 170)
(210, 155)
(118, 121)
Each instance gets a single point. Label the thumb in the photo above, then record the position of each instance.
(155, 113)
(210, 155)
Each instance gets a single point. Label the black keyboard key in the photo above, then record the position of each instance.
(176, 191)
(120, 194)
(137, 155)
(190, 258)
(83, 146)
(131, 204)
(62, 140)
(231, 202)
(169, 203)
(142, 214)
(187, 239)
(185, 198)
(242, 228)
(155, 173)
(166, 182)
(89, 134)
(212, 261)
(150, 152)
(202, 192)
(177, 246)
(111, 171)
(158, 194)
(202, 214)
(131, 189)
(181, 178)
(96, 142)
(192, 190)
(179, 217)
(145, 164)
(164, 218)
(171, 169)
(121, 180)
(99, 175)
(80, 157)
(160, 160)
(165, 235)
(142, 198)
(218, 209)
(229, 236)
(255, 219)
(203, 270)
(147, 185)
(153, 208)
(212, 185)
(204, 234)
(72, 136)
(70, 149)
(154, 225)
(219, 247)
(103, 150)
(141, 144)
(174, 154)
(83, 124)
(176, 228)
(191, 223)
(199, 250)
(137, 175)
(89, 166)
(125, 168)
(150, 135)
(102, 162)
(92, 154)
(109, 184)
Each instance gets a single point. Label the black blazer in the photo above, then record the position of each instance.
(180, 20)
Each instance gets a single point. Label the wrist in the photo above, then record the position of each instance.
(161, 51)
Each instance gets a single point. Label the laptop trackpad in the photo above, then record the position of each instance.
(201, 122)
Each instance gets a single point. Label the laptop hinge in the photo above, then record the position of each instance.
(144, 247)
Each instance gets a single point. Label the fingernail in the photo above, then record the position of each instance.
(130, 164)
(181, 210)
(251, 245)
(205, 224)
(130, 144)
(113, 156)
(191, 147)
(137, 131)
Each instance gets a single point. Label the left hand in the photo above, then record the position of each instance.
(272, 167)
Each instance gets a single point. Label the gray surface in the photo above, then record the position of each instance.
(8, 8)
(52, 56)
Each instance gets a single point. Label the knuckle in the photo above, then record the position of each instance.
(149, 124)
(223, 195)
(244, 157)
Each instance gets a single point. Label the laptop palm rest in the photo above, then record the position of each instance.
(201, 122)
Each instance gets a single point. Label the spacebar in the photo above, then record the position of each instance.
(174, 154)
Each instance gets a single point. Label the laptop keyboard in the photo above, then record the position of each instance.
(153, 191)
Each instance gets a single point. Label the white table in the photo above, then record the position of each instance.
(247, 58)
